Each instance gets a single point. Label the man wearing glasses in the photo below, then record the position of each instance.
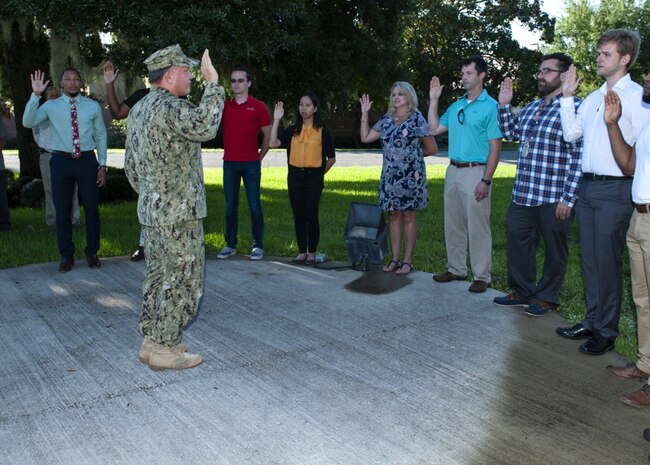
(604, 204)
(544, 191)
(243, 118)
(474, 149)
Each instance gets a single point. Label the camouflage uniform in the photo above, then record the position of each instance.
(164, 166)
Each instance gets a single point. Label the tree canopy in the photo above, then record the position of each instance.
(577, 33)
(337, 48)
(440, 34)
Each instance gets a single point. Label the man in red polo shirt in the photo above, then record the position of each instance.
(243, 118)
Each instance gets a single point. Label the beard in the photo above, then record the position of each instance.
(548, 87)
(646, 97)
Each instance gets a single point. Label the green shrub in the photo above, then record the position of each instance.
(32, 193)
(117, 188)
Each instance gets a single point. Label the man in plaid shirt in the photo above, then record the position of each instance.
(544, 192)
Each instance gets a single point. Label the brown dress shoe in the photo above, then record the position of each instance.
(66, 264)
(640, 398)
(448, 276)
(629, 371)
(478, 286)
(93, 261)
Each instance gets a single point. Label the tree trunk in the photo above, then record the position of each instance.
(23, 49)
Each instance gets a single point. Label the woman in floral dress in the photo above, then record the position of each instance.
(403, 186)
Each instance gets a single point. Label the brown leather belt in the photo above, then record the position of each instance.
(642, 208)
(469, 164)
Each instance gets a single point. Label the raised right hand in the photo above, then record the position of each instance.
(207, 68)
(613, 108)
(278, 113)
(506, 92)
(366, 103)
(38, 86)
(570, 82)
(435, 89)
(110, 73)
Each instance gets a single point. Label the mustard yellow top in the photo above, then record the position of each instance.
(306, 148)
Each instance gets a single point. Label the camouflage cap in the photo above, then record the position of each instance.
(168, 56)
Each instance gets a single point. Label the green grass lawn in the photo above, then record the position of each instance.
(31, 241)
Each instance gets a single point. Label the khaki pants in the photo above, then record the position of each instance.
(467, 220)
(50, 213)
(638, 244)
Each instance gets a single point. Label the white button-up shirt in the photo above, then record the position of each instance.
(641, 183)
(588, 122)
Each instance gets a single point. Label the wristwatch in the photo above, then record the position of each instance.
(486, 181)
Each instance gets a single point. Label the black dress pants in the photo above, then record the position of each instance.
(305, 187)
(524, 228)
(66, 172)
(603, 211)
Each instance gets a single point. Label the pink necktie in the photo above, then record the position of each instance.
(76, 146)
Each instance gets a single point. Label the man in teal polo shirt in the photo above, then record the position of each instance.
(474, 149)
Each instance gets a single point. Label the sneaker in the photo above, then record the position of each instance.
(539, 308)
(511, 300)
(226, 252)
(138, 255)
(257, 253)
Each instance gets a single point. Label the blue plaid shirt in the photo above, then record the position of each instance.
(548, 168)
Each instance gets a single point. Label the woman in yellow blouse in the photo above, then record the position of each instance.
(310, 154)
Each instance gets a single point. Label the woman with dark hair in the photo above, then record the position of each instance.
(310, 154)
(403, 186)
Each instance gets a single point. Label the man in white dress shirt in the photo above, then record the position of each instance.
(636, 161)
(604, 205)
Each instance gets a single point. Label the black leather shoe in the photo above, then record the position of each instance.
(575, 332)
(138, 254)
(93, 261)
(597, 345)
(66, 264)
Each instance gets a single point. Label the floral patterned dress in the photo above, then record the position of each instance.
(403, 185)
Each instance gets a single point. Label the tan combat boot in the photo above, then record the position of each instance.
(147, 347)
(172, 358)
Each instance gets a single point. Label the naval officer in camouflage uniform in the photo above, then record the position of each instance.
(164, 135)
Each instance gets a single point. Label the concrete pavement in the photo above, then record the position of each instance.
(302, 366)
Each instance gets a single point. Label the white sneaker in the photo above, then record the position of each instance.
(257, 253)
(226, 252)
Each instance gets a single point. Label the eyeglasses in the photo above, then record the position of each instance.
(545, 71)
(461, 116)
(240, 80)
